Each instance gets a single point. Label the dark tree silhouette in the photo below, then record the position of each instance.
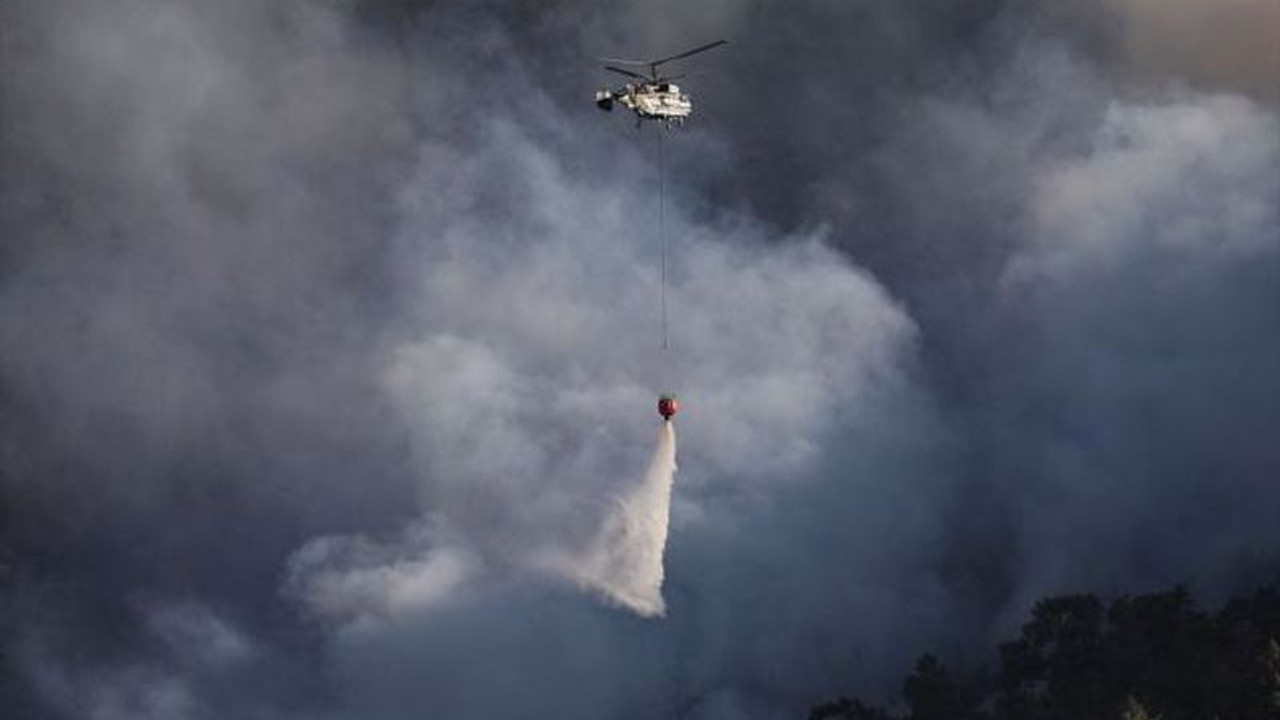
(933, 695)
(1272, 664)
(1145, 657)
(1057, 668)
(1135, 711)
(846, 709)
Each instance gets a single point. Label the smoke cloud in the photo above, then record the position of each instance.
(329, 341)
(1227, 45)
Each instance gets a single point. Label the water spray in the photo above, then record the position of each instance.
(625, 562)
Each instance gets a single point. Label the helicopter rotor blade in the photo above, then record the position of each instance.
(687, 53)
(691, 74)
(623, 61)
(628, 73)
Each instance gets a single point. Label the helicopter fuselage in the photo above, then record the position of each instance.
(649, 101)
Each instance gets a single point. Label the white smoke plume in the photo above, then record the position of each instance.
(625, 562)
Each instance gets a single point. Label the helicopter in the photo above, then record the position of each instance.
(652, 96)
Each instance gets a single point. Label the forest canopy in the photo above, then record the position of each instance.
(1138, 657)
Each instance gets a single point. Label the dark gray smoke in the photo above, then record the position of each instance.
(328, 333)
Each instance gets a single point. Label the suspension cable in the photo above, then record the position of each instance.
(662, 229)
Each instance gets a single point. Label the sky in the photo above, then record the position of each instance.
(329, 331)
